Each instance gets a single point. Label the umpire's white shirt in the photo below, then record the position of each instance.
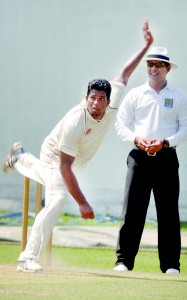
(152, 115)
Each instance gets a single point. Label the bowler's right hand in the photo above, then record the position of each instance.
(86, 211)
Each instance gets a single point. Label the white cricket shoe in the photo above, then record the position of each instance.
(172, 271)
(120, 267)
(29, 266)
(12, 157)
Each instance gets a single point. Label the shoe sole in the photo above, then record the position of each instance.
(29, 271)
(6, 169)
(13, 148)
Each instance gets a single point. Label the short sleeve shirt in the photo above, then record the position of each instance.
(152, 115)
(79, 134)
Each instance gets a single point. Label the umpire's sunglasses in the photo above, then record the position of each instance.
(158, 65)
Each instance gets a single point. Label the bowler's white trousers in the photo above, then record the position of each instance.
(45, 171)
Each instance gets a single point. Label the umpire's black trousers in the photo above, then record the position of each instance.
(158, 174)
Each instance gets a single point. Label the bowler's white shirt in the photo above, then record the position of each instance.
(79, 134)
(151, 115)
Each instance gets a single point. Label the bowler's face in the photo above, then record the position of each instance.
(97, 103)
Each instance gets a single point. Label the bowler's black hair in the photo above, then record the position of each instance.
(100, 85)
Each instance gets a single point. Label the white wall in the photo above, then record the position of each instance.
(50, 49)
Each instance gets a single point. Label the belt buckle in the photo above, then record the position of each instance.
(151, 154)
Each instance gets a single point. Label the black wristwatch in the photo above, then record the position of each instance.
(166, 144)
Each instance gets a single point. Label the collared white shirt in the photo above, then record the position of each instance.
(151, 115)
(79, 134)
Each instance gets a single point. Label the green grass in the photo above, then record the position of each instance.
(86, 274)
(105, 221)
(94, 258)
(67, 284)
(66, 219)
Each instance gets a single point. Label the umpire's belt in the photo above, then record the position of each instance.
(154, 153)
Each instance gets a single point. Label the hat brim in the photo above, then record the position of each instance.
(172, 64)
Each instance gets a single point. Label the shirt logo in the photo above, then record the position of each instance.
(168, 103)
(88, 131)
